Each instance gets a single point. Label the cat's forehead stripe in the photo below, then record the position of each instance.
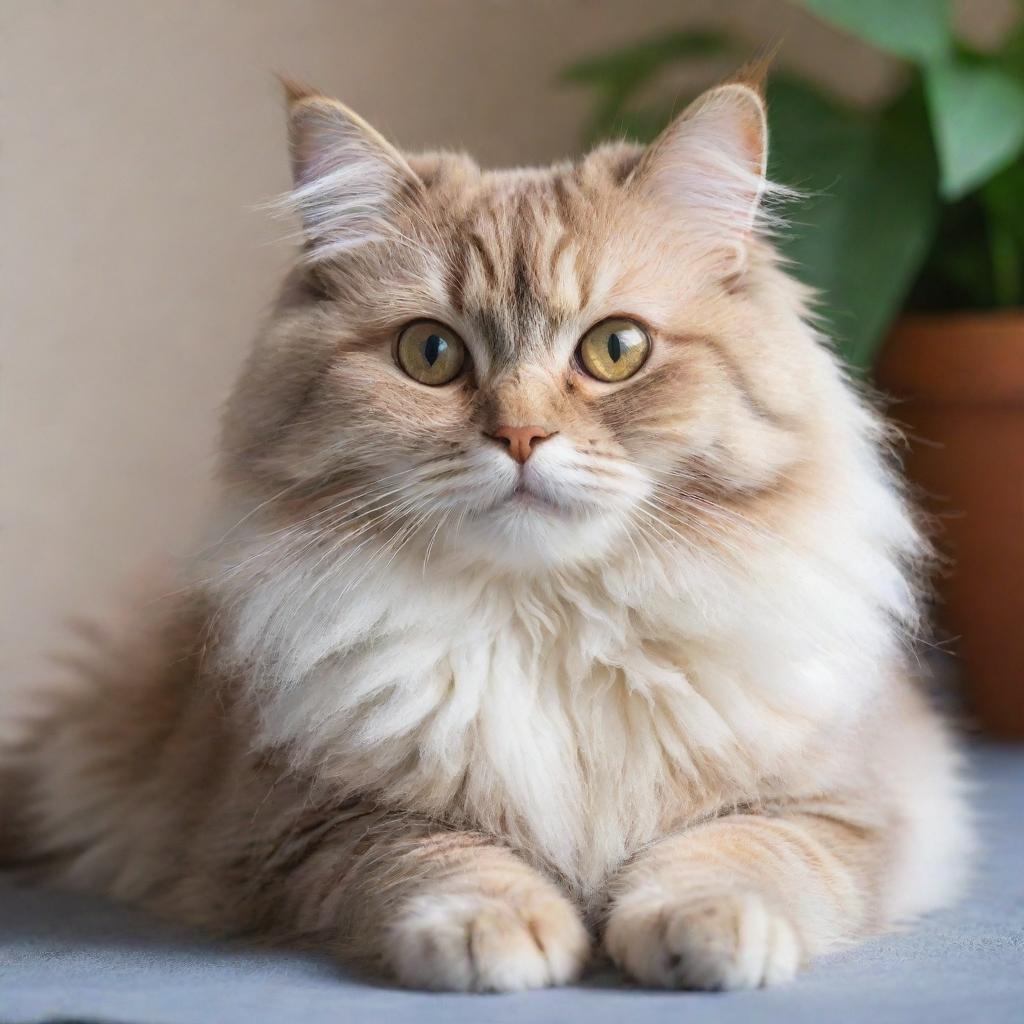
(486, 262)
(516, 265)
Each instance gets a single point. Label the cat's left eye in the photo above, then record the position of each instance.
(430, 353)
(614, 350)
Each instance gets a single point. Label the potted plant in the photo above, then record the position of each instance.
(912, 230)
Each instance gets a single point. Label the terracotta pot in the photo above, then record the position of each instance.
(958, 381)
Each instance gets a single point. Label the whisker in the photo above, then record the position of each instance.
(326, 519)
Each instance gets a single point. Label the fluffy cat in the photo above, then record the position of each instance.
(569, 598)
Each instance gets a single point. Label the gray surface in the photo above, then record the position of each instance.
(68, 958)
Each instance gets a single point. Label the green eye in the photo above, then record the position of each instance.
(430, 353)
(614, 350)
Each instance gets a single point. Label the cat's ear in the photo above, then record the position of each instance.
(710, 163)
(351, 184)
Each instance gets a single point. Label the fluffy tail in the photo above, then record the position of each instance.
(15, 785)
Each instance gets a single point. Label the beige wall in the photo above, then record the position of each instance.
(138, 138)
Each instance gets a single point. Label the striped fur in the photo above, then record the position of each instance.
(665, 703)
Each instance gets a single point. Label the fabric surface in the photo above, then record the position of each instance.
(71, 958)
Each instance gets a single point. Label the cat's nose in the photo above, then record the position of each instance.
(519, 442)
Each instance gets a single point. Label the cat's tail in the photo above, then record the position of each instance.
(15, 788)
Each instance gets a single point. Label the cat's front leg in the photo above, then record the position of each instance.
(439, 909)
(743, 901)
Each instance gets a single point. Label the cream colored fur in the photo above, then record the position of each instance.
(668, 696)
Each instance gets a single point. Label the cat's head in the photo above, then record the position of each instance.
(528, 367)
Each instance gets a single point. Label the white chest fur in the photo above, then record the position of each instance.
(579, 715)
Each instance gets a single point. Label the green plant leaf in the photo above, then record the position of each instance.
(617, 77)
(916, 29)
(977, 112)
(1001, 199)
(629, 67)
(864, 229)
(640, 124)
(1010, 56)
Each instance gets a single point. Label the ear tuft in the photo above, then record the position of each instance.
(754, 74)
(350, 182)
(710, 164)
(295, 89)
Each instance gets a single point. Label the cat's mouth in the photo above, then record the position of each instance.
(522, 494)
(525, 496)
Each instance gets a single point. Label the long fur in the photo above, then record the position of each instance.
(427, 707)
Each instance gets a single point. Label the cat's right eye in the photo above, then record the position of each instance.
(430, 353)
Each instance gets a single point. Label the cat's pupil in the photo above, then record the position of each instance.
(614, 347)
(433, 348)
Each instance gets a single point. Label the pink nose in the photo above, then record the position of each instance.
(520, 441)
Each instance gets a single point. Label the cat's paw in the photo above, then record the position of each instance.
(476, 942)
(731, 940)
